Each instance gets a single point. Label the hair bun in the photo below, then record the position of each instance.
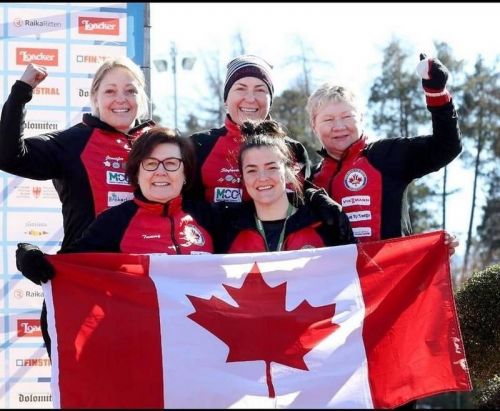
(252, 128)
(248, 129)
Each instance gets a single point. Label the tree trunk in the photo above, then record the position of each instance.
(474, 189)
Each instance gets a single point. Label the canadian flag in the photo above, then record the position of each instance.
(370, 325)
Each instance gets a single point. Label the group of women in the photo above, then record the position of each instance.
(162, 212)
(185, 195)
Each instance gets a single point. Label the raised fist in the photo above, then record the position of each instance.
(34, 75)
(434, 77)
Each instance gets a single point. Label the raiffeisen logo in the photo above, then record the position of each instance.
(20, 22)
(98, 25)
(44, 57)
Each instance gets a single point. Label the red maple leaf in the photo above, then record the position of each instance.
(355, 180)
(261, 328)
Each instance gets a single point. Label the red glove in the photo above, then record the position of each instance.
(434, 76)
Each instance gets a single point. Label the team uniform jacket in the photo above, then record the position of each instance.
(85, 162)
(141, 226)
(303, 229)
(218, 177)
(370, 180)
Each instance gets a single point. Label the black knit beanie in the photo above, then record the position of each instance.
(248, 66)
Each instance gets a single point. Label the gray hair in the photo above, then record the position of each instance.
(134, 69)
(330, 92)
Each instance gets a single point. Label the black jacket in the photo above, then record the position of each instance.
(85, 162)
(371, 179)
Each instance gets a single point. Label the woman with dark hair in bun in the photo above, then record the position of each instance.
(271, 221)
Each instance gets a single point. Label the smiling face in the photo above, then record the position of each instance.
(337, 125)
(248, 99)
(161, 185)
(116, 99)
(264, 176)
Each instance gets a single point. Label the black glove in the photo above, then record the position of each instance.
(434, 77)
(321, 203)
(330, 212)
(31, 262)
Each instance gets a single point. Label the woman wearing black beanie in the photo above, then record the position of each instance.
(248, 95)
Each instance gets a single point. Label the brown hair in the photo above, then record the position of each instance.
(152, 138)
(268, 133)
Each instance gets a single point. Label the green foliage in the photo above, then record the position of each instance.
(488, 247)
(478, 305)
(396, 97)
(488, 397)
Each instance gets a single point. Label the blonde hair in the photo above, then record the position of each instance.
(134, 69)
(330, 92)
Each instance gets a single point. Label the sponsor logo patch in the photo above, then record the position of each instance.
(359, 216)
(232, 195)
(362, 231)
(355, 179)
(192, 235)
(114, 177)
(356, 200)
(118, 197)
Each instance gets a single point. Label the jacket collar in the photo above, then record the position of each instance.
(154, 207)
(244, 218)
(350, 152)
(139, 127)
(233, 129)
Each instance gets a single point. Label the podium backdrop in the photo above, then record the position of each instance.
(71, 40)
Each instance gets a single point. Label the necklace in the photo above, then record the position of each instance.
(260, 228)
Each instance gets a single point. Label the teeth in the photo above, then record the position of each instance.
(249, 110)
(160, 184)
(264, 188)
(121, 110)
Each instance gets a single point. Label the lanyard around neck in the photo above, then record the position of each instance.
(260, 228)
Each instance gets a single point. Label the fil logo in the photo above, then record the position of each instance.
(28, 327)
(44, 57)
(36, 190)
(98, 25)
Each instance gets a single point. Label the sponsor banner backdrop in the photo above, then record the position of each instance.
(79, 94)
(43, 121)
(86, 25)
(24, 361)
(25, 328)
(52, 90)
(71, 40)
(50, 55)
(87, 59)
(29, 395)
(36, 23)
(22, 192)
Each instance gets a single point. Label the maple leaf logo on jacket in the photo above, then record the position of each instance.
(260, 328)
